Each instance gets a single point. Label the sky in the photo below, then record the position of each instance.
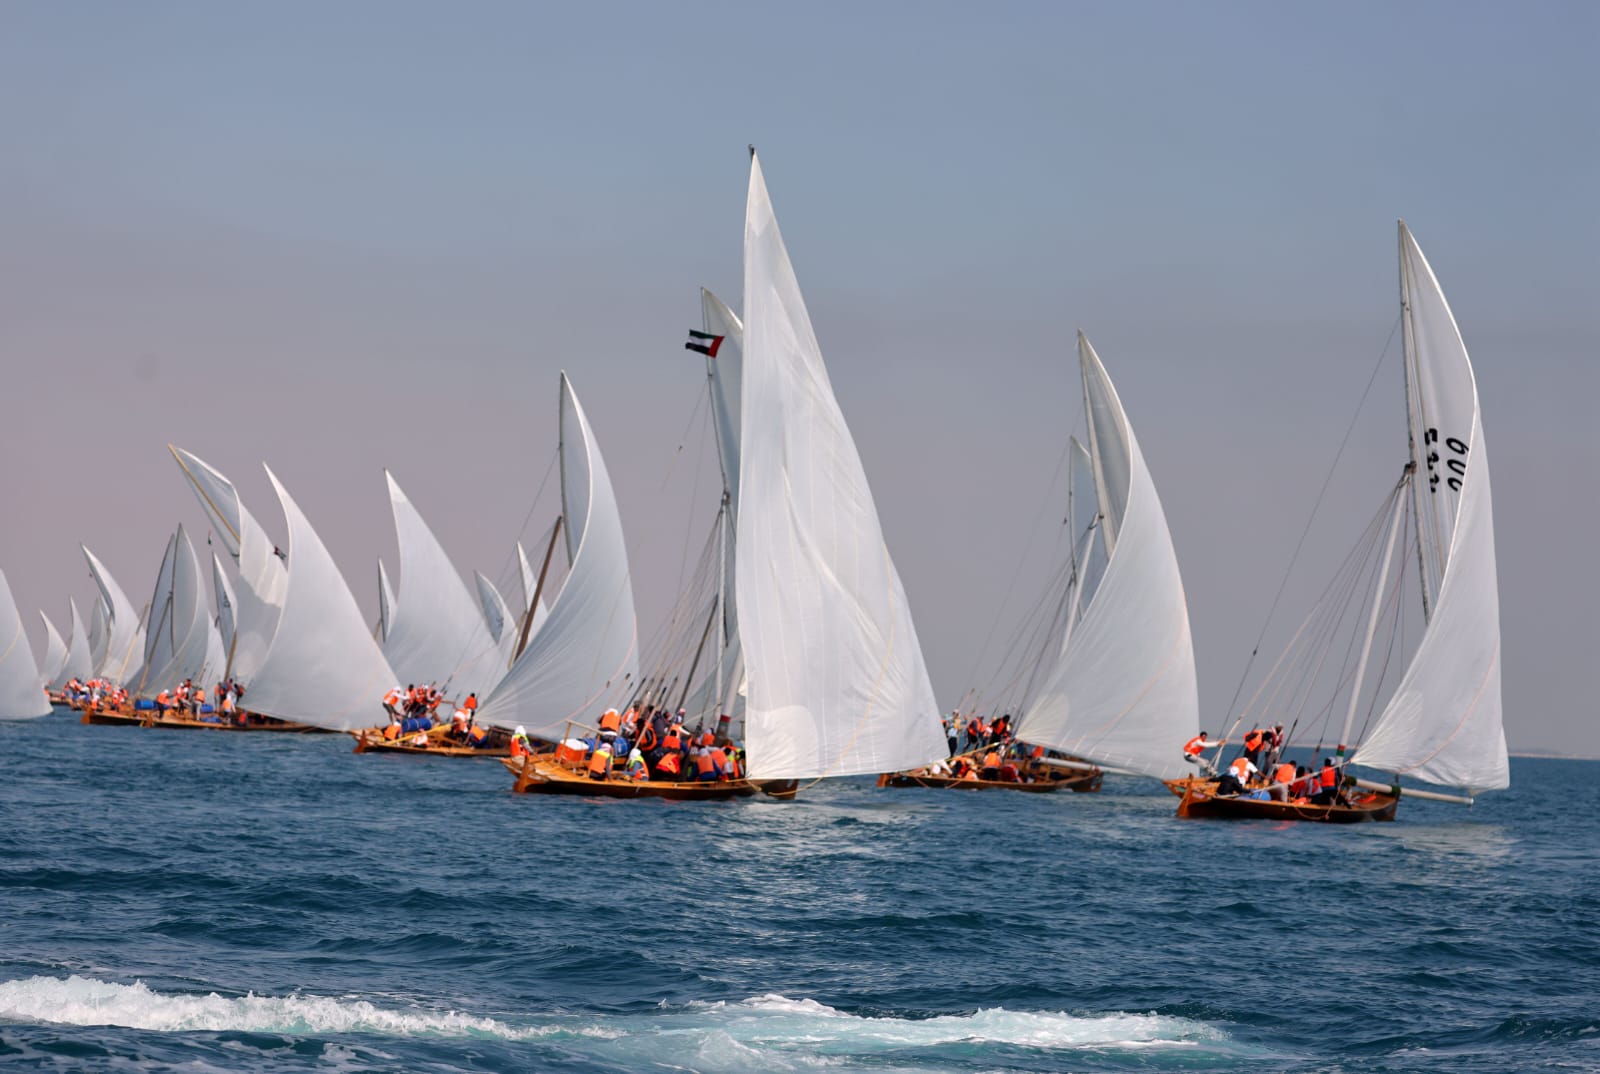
(339, 238)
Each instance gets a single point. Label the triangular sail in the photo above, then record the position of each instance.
(222, 593)
(835, 676)
(21, 690)
(437, 634)
(99, 633)
(323, 667)
(162, 632)
(387, 604)
(716, 693)
(79, 665)
(124, 652)
(55, 653)
(190, 616)
(587, 650)
(529, 578)
(503, 627)
(1443, 723)
(262, 573)
(1124, 691)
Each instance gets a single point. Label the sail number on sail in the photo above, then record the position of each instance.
(1457, 466)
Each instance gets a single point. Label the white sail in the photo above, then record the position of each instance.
(1443, 722)
(587, 650)
(99, 633)
(503, 626)
(323, 667)
(437, 634)
(190, 618)
(162, 634)
(21, 689)
(386, 602)
(1085, 526)
(55, 653)
(262, 574)
(124, 653)
(78, 664)
(1124, 692)
(835, 678)
(222, 593)
(530, 594)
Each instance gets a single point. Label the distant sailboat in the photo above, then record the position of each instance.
(22, 695)
(1442, 724)
(78, 664)
(124, 632)
(55, 653)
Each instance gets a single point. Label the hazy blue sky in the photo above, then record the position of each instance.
(349, 236)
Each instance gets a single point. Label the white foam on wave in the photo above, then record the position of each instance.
(774, 1018)
(84, 1001)
(769, 1032)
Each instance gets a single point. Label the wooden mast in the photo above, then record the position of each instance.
(538, 589)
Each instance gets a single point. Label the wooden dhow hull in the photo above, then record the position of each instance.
(371, 740)
(1201, 801)
(173, 721)
(543, 774)
(1084, 783)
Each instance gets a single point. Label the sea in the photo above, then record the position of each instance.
(205, 901)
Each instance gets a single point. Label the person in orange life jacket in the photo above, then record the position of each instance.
(1273, 746)
(1236, 780)
(163, 702)
(991, 765)
(1253, 741)
(630, 722)
(600, 762)
(470, 707)
(1305, 784)
(1194, 753)
(705, 769)
(1327, 784)
(729, 758)
(637, 769)
(1282, 780)
(610, 724)
(519, 742)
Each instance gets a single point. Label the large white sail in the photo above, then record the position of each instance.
(323, 668)
(55, 653)
(835, 677)
(1443, 722)
(21, 690)
(78, 664)
(222, 592)
(437, 634)
(262, 574)
(124, 653)
(587, 650)
(1124, 692)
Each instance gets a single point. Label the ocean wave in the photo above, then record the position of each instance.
(773, 1031)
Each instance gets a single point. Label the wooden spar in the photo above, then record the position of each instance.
(538, 589)
(1083, 766)
(688, 679)
(1407, 792)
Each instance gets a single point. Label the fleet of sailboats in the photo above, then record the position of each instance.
(797, 635)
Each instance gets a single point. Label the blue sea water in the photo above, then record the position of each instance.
(215, 902)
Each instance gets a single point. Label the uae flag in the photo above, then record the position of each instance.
(704, 342)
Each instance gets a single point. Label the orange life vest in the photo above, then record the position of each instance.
(610, 721)
(1240, 766)
(1038, 753)
(1330, 775)
(392, 732)
(668, 764)
(1195, 745)
(703, 764)
(517, 748)
(392, 698)
(647, 739)
(1252, 741)
(599, 762)
(991, 759)
(720, 759)
(1284, 773)
(672, 743)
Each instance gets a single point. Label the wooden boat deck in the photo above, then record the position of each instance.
(1085, 783)
(173, 721)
